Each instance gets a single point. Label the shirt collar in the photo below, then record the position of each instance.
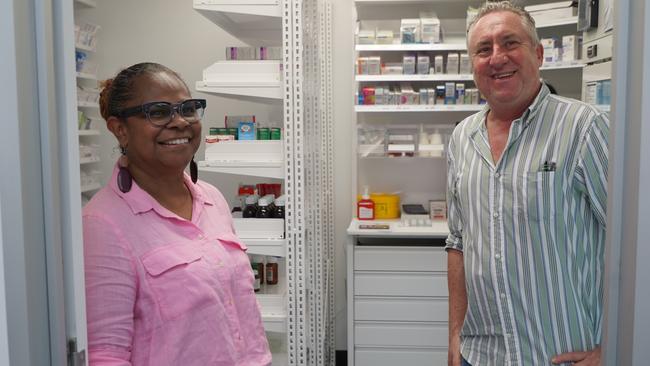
(528, 115)
(140, 201)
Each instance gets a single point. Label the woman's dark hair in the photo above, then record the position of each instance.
(118, 91)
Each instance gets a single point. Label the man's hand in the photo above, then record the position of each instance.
(453, 357)
(587, 358)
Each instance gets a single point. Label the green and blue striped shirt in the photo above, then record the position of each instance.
(532, 231)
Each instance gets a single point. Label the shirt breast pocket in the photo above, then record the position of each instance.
(180, 279)
(537, 196)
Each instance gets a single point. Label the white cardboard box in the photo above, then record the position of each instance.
(571, 46)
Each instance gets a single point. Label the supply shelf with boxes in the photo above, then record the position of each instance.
(273, 69)
(597, 50)
(413, 83)
(556, 24)
(88, 120)
(243, 154)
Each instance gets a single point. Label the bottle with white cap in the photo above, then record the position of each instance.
(263, 210)
(250, 210)
(280, 202)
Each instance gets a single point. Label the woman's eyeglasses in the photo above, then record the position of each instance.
(161, 113)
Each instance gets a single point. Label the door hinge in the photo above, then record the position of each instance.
(75, 358)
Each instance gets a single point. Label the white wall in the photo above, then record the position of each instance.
(169, 32)
(4, 331)
(343, 86)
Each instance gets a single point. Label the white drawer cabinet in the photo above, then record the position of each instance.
(397, 356)
(371, 258)
(398, 306)
(373, 334)
(400, 284)
(401, 309)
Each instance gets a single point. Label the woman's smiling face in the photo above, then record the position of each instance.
(160, 150)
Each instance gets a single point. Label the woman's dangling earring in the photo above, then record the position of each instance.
(124, 179)
(194, 171)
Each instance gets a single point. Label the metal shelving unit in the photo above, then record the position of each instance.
(90, 110)
(296, 310)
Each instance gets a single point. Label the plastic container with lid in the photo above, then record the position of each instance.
(386, 205)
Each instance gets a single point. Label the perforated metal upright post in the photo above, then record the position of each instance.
(328, 183)
(309, 183)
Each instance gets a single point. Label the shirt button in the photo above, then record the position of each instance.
(495, 215)
(200, 236)
(503, 296)
(497, 175)
(497, 256)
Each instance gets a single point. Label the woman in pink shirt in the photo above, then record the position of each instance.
(167, 280)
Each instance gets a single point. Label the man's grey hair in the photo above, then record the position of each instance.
(498, 6)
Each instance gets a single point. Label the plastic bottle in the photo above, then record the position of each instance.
(256, 282)
(365, 206)
(251, 206)
(257, 262)
(436, 139)
(424, 140)
(270, 198)
(279, 207)
(272, 271)
(263, 210)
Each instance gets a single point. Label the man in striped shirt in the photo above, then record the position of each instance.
(527, 199)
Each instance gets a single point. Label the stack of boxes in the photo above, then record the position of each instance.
(564, 51)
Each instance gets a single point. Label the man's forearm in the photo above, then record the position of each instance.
(457, 292)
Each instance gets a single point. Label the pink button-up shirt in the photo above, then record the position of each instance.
(162, 290)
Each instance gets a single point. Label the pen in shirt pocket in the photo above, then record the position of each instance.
(548, 166)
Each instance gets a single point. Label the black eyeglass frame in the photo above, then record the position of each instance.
(144, 109)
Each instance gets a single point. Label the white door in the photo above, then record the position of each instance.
(40, 203)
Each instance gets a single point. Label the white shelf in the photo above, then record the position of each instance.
(88, 132)
(562, 66)
(413, 47)
(417, 77)
(83, 47)
(273, 169)
(83, 75)
(86, 3)
(258, 78)
(400, 2)
(272, 247)
(245, 19)
(260, 158)
(88, 160)
(557, 22)
(419, 108)
(82, 104)
(273, 309)
(90, 187)
(252, 89)
(438, 229)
